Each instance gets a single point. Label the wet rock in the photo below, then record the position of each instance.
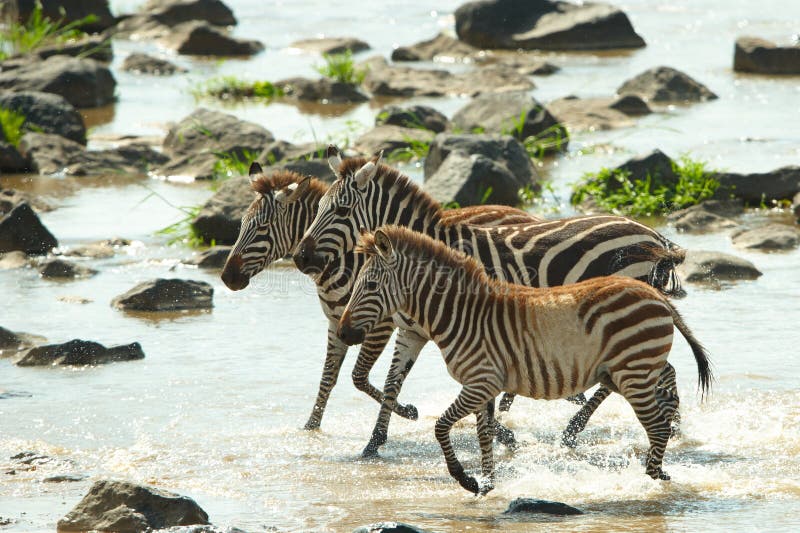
(166, 295)
(220, 217)
(440, 47)
(11, 197)
(530, 505)
(753, 54)
(10, 158)
(703, 266)
(70, 11)
(589, 114)
(14, 341)
(80, 352)
(316, 168)
(48, 153)
(82, 82)
(772, 237)
(146, 64)
(213, 258)
(126, 507)
(472, 180)
(702, 221)
(5, 521)
(21, 229)
(392, 140)
(95, 47)
(779, 184)
(655, 164)
(502, 149)
(13, 260)
(60, 269)
(322, 90)
(331, 45)
(385, 80)
(46, 113)
(200, 38)
(415, 116)
(157, 17)
(631, 105)
(389, 527)
(666, 85)
(544, 25)
(796, 206)
(65, 478)
(525, 63)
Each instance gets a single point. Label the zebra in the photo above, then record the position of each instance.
(543, 343)
(284, 206)
(368, 194)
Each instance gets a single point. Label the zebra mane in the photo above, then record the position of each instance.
(279, 179)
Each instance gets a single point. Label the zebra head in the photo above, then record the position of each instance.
(272, 225)
(343, 210)
(377, 292)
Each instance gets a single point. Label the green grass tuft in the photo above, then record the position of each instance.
(38, 31)
(233, 88)
(11, 123)
(341, 68)
(231, 164)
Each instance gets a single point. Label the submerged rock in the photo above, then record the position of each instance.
(166, 295)
(147, 64)
(80, 352)
(530, 505)
(60, 269)
(213, 258)
(65, 478)
(331, 45)
(779, 184)
(389, 527)
(704, 266)
(472, 180)
(665, 85)
(126, 507)
(21, 229)
(772, 237)
(753, 54)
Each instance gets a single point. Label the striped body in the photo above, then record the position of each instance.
(541, 343)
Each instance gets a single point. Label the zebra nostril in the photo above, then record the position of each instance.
(232, 275)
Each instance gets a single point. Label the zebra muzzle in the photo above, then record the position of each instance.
(232, 275)
(348, 334)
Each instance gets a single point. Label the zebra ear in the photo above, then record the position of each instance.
(293, 191)
(334, 158)
(383, 244)
(255, 170)
(364, 174)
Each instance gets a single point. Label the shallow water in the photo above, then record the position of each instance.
(216, 408)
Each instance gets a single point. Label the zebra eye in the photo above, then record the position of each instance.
(342, 210)
(371, 285)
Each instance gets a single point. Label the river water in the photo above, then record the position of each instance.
(216, 409)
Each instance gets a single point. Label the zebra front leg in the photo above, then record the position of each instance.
(581, 418)
(485, 436)
(406, 350)
(330, 373)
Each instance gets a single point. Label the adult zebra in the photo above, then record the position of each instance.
(542, 343)
(368, 195)
(283, 208)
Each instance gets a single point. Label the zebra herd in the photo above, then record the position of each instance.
(515, 303)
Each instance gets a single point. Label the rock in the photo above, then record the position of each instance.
(414, 116)
(530, 505)
(21, 229)
(46, 113)
(59, 268)
(656, 164)
(70, 11)
(588, 114)
(126, 507)
(317, 168)
(544, 25)
(82, 82)
(166, 295)
(472, 180)
(11, 197)
(95, 47)
(79, 352)
(213, 258)
(200, 38)
(723, 208)
(10, 159)
(389, 527)
(48, 153)
(753, 54)
(780, 184)
(527, 63)
(392, 139)
(157, 17)
(331, 45)
(385, 80)
(11, 342)
(323, 90)
(701, 266)
(768, 238)
(13, 260)
(502, 149)
(796, 206)
(220, 217)
(502, 113)
(146, 64)
(701, 221)
(665, 85)
(440, 47)
(631, 105)
(64, 478)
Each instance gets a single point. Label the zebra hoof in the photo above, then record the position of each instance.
(311, 425)
(506, 437)
(470, 483)
(408, 411)
(485, 487)
(658, 474)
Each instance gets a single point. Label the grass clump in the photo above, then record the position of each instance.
(614, 191)
(11, 124)
(231, 164)
(417, 149)
(183, 231)
(233, 88)
(553, 139)
(341, 68)
(38, 31)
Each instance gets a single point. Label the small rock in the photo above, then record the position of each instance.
(703, 266)
(331, 45)
(11, 197)
(80, 300)
(631, 104)
(655, 164)
(126, 507)
(64, 478)
(166, 295)
(202, 39)
(147, 64)
(10, 158)
(530, 505)
(213, 258)
(472, 180)
(779, 184)
(323, 90)
(60, 269)
(392, 139)
(440, 47)
(588, 114)
(13, 260)
(768, 238)
(699, 220)
(47, 113)
(80, 352)
(389, 527)
(753, 54)
(157, 18)
(5, 521)
(415, 116)
(665, 85)
(21, 229)
(11, 342)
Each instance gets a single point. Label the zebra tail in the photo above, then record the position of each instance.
(663, 275)
(705, 376)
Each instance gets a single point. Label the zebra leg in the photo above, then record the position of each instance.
(667, 381)
(330, 373)
(371, 349)
(504, 435)
(581, 418)
(485, 436)
(406, 350)
(643, 396)
(506, 401)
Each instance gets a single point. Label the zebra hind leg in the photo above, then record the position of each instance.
(504, 435)
(485, 435)
(506, 401)
(667, 381)
(650, 412)
(581, 418)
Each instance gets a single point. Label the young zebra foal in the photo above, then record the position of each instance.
(541, 343)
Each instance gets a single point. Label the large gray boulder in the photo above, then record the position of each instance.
(68, 11)
(21, 229)
(199, 38)
(80, 352)
(413, 116)
(779, 184)
(46, 112)
(666, 85)
(166, 295)
(772, 237)
(82, 82)
(544, 25)
(472, 180)
(129, 508)
(760, 56)
(705, 266)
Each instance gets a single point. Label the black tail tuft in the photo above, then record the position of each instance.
(705, 376)
(665, 260)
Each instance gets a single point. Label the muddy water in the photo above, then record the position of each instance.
(216, 409)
